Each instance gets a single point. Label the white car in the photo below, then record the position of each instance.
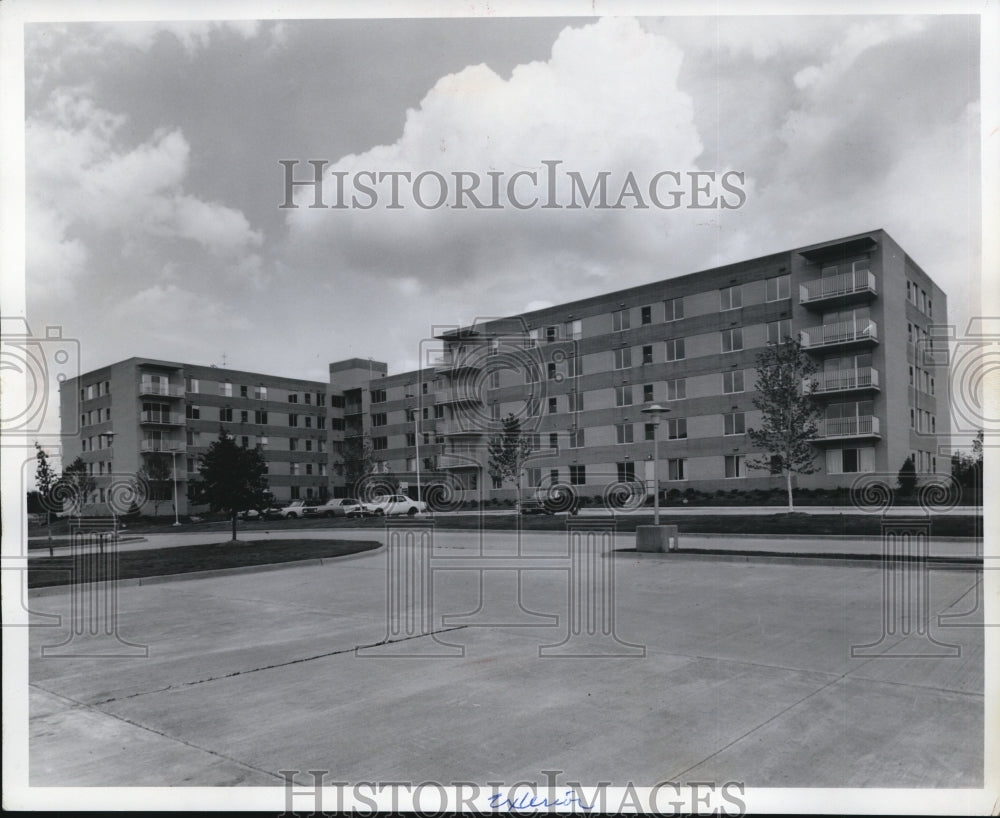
(389, 504)
(345, 507)
(294, 509)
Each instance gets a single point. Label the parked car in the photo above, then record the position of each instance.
(532, 507)
(395, 504)
(268, 513)
(294, 509)
(344, 507)
(311, 508)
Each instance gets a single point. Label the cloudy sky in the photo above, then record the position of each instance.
(154, 183)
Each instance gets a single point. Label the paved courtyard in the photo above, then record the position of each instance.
(725, 671)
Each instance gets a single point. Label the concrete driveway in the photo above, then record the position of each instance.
(715, 671)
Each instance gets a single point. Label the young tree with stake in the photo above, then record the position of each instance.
(232, 479)
(508, 452)
(789, 415)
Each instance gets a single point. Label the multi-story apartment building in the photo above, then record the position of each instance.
(140, 408)
(577, 376)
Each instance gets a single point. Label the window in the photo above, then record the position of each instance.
(192, 412)
(191, 384)
(309, 470)
(620, 320)
(574, 330)
(307, 396)
(912, 380)
(849, 461)
(293, 469)
(380, 444)
(577, 475)
(553, 405)
(320, 422)
(730, 298)
(624, 433)
(623, 396)
(260, 392)
(534, 477)
(551, 335)
(243, 391)
(778, 288)
(626, 471)
(226, 389)
(735, 466)
(438, 411)
(495, 411)
(675, 349)
(495, 379)
(244, 416)
(646, 315)
(83, 444)
(732, 339)
(295, 493)
(734, 423)
(673, 309)
(378, 419)
(647, 354)
(623, 358)
(779, 331)
(411, 439)
(675, 469)
(647, 393)
(677, 429)
(576, 439)
(532, 339)
(553, 440)
(930, 313)
(732, 381)
(226, 414)
(553, 373)
(497, 482)
(293, 444)
(574, 366)
(677, 389)
(378, 396)
(293, 420)
(259, 416)
(576, 401)
(649, 431)
(262, 442)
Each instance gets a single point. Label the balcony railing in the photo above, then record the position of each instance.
(163, 390)
(166, 418)
(451, 428)
(160, 446)
(858, 281)
(452, 362)
(835, 428)
(843, 380)
(843, 332)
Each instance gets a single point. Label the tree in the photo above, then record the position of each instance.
(45, 481)
(232, 479)
(907, 477)
(157, 473)
(967, 468)
(81, 484)
(508, 452)
(789, 413)
(356, 459)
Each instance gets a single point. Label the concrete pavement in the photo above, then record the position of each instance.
(732, 672)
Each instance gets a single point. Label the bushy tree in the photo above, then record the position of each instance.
(157, 473)
(356, 459)
(967, 468)
(907, 477)
(231, 479)
(789, 415)
(80, 483)
(45, 481)
(508, 452)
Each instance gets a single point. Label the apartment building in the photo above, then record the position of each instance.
(578, 374)
(140, 409)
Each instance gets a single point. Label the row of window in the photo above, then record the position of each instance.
(919, 298)
(93, 416)
(95, 390)
(922, 421)
(921, 379)
(294, 469)
(260, 416)
(258, 392)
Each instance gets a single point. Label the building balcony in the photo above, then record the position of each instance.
(842, 428)
(162, 418)
(462, 459)
(859, 331)
(160, 446)
(161, 390)
(469, 426)
(845, 380)
(459, 394)
(847, 288)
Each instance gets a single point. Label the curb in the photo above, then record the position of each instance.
(778, 558)
(160, 579)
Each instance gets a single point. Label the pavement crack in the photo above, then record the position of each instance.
(274, 666)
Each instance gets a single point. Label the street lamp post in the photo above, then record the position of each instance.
(110, 437)
(416, 432)
(656, 412)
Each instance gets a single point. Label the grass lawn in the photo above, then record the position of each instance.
(188, 558)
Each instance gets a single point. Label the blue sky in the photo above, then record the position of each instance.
(153, 183)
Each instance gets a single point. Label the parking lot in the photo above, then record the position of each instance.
(725, 671)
